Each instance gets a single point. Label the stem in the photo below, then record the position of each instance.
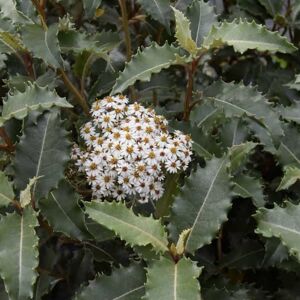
(72, 88)
(191, 69)
(41, 11)
(28, 64)
(84, 71)
(124, 14)
(9, 146)
(188, 94)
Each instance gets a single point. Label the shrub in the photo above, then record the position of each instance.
(149, 149)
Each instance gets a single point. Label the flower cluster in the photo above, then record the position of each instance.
(128, 150)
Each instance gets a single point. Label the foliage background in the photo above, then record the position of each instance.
(240, 105)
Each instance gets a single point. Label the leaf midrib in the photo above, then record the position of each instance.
(129, 292)
(290, 152)
(160, 243)
(20, 256)
(280, 227)
(64, 213)
(204, 202)
(242, 257)
(175, 282)
(133, 78)
(41, 153)
(5, 197)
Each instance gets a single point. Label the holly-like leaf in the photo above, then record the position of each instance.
(123, 283)
(291, 113)
(18, 253)
(145, 63)
(247, 255)
(43, 151)
(202, 204)
(63, 213)
(6, 191)
(289, 149)
(273, 7)
(25, 196)
(135, 230)
(243, 35)
(90, 7)
(9, 43)
(238, 154)
(77, 42)
(238, 100)
(159, 10)
(275, 253)
(202, 17)
(43, 44)
(249, 187)
(169, 280)
(163, 205)
(295, 84)
(282, 223)
(183, 33)
(9, 10)
(19, 104)
(183, 4)
(291, 175)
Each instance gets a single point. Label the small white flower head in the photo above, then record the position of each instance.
(128, 150)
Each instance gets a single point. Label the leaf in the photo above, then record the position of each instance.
(273, 7)
(18, 253)
(79, 42)
(249, 187)
(202, 204)
(43, 150)
(180, 246)
(123, 283)
(234, 132)
(275, 253)
(243, 35)
(291, 113)
(202, 17)
(19, 104)
(145, 63)
(238, 154)
(9, 10)
(281, 223)
(289, 149)
(183, 33)
(182, 4)
(135, 230)
(90, 7)
(63, 213)
(248, 255)
(159, 10)
(169, 280)
(6, 191)
(9, 43)
(43, 44)
(203, 144)
(164, 203)
(291, 175)
(295, 84)
(238, 100)
(25, 196)
(205, 116)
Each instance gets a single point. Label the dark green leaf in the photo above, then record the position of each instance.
(43, 151)
(18, 253)
(63, 213)
(202, 204)
(123, 283)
